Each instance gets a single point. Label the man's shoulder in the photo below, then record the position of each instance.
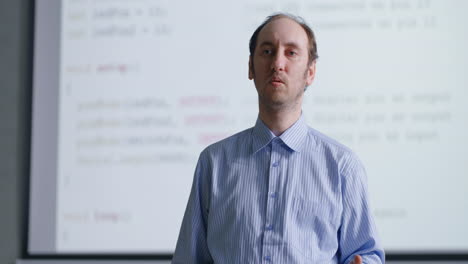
(342, 156)
(323, 141)
(231, 143)
(331, 147)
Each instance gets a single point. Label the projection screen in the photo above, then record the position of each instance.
(127, 93)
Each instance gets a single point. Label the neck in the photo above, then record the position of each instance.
(279, 120)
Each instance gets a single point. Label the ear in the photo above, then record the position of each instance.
(251, 70)
(310, 75)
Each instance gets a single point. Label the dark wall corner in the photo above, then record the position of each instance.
(15, 93)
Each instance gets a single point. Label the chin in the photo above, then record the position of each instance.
(274, 102)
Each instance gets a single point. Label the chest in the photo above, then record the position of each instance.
(280, 184)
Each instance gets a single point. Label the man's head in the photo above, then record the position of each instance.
(310, 34)
(282, 59)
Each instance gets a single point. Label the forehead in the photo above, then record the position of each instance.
(283, 30)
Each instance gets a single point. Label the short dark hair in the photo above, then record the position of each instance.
(310, 34)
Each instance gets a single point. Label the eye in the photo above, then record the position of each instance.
(292, 53)
(267, 52)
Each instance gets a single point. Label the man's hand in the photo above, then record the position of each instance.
(357, 260)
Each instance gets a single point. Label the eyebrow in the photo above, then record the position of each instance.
(288, 44)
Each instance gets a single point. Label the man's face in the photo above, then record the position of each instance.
(280, 67)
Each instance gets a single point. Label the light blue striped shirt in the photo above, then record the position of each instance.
(297, 198)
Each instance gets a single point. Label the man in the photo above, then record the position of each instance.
(279, 192)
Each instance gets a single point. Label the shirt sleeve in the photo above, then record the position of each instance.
(358, 233)
(192, 243)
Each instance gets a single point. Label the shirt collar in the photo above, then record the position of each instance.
(293, 137)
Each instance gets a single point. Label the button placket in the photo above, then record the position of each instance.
(272, 193)
(272, 185)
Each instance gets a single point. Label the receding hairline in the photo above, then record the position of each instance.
(278, 17)
(291, 43)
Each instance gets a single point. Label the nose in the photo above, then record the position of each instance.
(278, 63)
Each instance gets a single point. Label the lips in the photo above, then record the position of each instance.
(276, 80)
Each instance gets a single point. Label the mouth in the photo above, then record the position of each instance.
(276, 81)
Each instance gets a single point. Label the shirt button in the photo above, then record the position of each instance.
(275, 164)
(267, 258)
(273, 195)
(269, 227)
